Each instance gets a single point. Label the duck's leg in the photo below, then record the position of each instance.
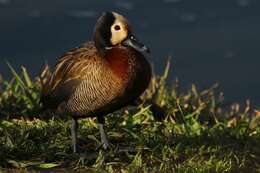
(74, 127)
(104, 141)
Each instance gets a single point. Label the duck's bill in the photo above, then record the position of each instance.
(134, 43)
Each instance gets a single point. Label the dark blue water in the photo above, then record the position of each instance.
(209, 40)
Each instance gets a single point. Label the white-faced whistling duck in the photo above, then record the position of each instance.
(99, 77)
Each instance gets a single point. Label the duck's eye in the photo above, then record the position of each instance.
(117, 28)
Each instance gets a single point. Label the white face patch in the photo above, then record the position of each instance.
(119, 29)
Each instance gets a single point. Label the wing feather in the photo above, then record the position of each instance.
(67, 75)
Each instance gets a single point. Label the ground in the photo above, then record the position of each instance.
(192, 131)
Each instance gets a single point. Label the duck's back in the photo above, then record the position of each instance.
(86, 84)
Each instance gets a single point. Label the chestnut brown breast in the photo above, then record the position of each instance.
(133, 70)
(131, 67)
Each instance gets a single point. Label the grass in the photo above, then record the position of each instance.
(192, 131)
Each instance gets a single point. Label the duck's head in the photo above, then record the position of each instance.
(111, 30)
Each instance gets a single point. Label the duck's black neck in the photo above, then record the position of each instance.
(101, 44)
(102, 33)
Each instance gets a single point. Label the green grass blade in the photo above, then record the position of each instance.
(26, 77)
(17, 77)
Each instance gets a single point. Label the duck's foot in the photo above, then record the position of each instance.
(105, 146)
